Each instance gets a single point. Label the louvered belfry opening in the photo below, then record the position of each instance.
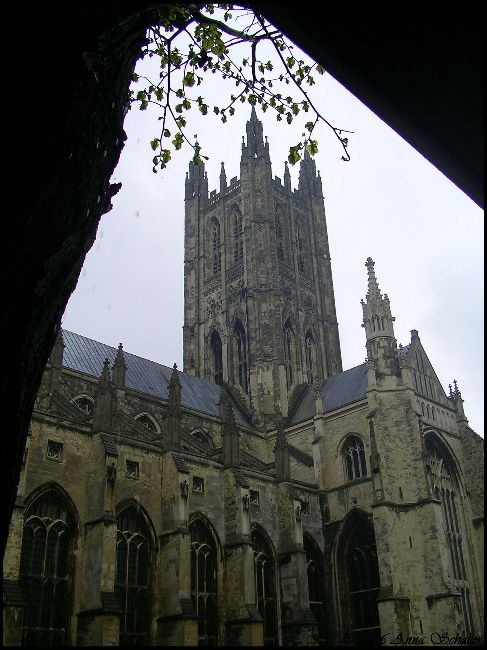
(265, 586)
(46, 571)
(204, 582)
(132, 580)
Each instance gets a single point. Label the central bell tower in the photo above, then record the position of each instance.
(259, 307)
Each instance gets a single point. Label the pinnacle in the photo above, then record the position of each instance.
(373, 288)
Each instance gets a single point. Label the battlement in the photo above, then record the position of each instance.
(215, 196)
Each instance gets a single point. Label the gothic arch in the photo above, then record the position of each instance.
(239, 354)
(266, 582)
(214, 244)
(289, 341)
(215, 353)
(316, 584)
(357, 579)
(312, 361)
(206, 585)
(47, 565)
(353, 452)
(434, 438)
(144, 417)
(82, 397)
(135, 556)
(130, 502)
(237, 233)
(203, 436)
(60, 492)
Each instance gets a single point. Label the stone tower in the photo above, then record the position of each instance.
(259, 304)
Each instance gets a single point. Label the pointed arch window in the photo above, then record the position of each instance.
(354, 456)
(45, 573)
(147, 422)
(217, 358)
(289, 354)
(265, 589)
(316, 594)
(363, 584)
(301, 247)
(310, 356)
(240, 356)
(445, 488)
(237, 235)
(279, 237)
(204, 582)
(132, 579)
(216, 246)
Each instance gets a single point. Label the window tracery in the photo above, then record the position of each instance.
(314, 563)
(265, 586)
(354, 455)
(45, 571)
(147, 422)
(132, 579)
(85, 404)
(204, 582)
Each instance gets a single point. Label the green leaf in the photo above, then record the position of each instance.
(154, 143)
(189, 79)
(312, 147)
(294, 155)
(309, 126)
(203, 109)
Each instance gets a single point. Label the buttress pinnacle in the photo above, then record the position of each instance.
(373, 286)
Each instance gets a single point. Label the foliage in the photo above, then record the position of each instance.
(208, 37)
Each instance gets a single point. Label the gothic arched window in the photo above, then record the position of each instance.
(147, 422)
(215, 246)
(354, 455)
(132, 579)
(445, 488)
(204, 582)
(310, 356)
(289, 354)
(302, 247)
(265, 589)
(363, 584)
(237, 235)
(279, 238)
(45, 573)
(216, 350)
(240, 356)
(85, 404)
(316, 586)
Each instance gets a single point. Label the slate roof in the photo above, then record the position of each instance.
(86, 355)
(336, 391)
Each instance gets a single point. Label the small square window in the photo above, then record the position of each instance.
(54, 450)
(254, 498)
(132, 469)
(198, 484)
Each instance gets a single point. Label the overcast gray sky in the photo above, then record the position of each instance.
(388, 202)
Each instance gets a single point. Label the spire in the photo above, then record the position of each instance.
(105, 373)
(379, 329)
(373, 287)
(172, 423)
(255, 147)
(230, 434)
(307, 172)
(287, 176)
(102, 419)
(119, 368)
(223, 178)
(196, 183)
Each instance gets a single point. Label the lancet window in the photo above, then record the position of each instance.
(132, 579)
(216, 351)
(265, 586)
(289, 354)
(354, 456)
(445, 488)
(216, 246)
(45, 574)
(237, 235)
(302, 248)
(310, 356)
(363, 583)
(204, 582)
(240, 356)
(314, 563)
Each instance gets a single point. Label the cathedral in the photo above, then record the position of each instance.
(263, 495)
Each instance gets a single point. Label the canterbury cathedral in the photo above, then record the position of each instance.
(263, 495)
